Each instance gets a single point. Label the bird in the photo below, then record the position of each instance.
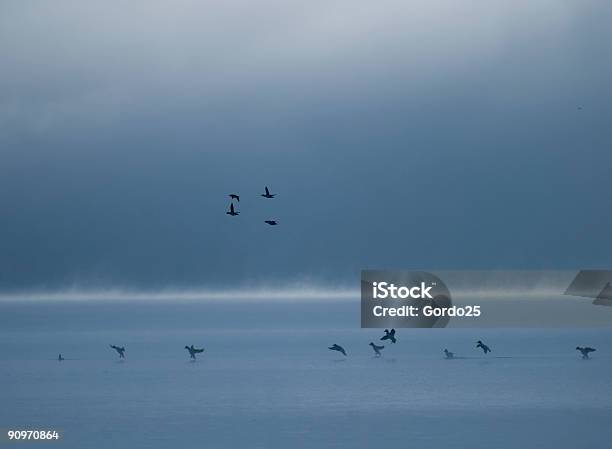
(585, 351)
(234, 197)
(268, 194)
(231, 211)
(448, 354)
(338, 348)
(389, 335)
(271, 222)
(120, 351)
(60, 358)
(193, 351)
(484, 347)
(377, 349)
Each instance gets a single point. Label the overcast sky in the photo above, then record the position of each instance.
(397, 134)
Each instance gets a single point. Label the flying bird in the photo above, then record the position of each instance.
(231, 211)
(271, 222)
(484, 347)
(585, 351)
(120, 351)
(448, 354)
(377, 349)
(389, 335)
(60, 358)
(338, 348)
(268, 194)
(193, 351)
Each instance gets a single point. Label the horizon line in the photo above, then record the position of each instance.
(286, 294)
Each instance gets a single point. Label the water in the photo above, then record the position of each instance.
(267, 380)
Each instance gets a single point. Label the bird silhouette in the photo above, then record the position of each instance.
(389, 335)
(193, 351)
(484, 347)
(268, 194)
(338, 348)
(377, 349)
(120, 350)
(232, 212)
(234, 197)
(60, 358)
(448, 354)
(585, 351)
(271, 222)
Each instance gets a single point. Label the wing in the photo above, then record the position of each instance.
(590, 349)
(267, 191)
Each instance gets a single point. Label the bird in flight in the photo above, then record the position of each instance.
(234, 197)
(389, 335)
(377, 349)
(338, 348)
(271, 222)
(120, 351)
(448, 354)
(193, 351)
(484, 347)
(585, 351)
(232, 212)
(60, 358)
(268, 194)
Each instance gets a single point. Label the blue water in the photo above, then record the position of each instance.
(267, 380)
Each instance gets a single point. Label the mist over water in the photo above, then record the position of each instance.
(494, 284)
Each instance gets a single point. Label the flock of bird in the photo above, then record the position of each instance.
(390, 335)
(233, 212)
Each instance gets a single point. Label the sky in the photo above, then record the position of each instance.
(396, 135)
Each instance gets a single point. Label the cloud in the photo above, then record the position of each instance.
(398, 134)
